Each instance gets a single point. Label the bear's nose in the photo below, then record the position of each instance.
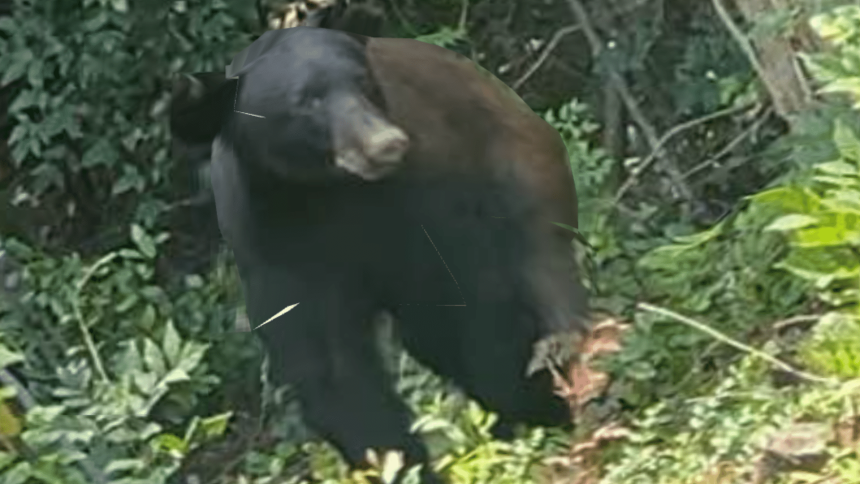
(386, 144)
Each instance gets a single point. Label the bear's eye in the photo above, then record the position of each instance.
(311, 101)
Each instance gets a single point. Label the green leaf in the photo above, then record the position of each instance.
(130, 360)
(172, 344)
(129, 179)
(791, 222)
(789, 199)
(846, 142)
(101, 153)
(19, 474)
(839, 181)
(444, 37)
(9, 357)
(20, 60)
(173, 376)
(6, 458)
(20, 152)
(18, 133)
(120, 5)
(146, 382)
(192, 354)
(43, 415)
(169, 443)
(8, 25)
(702, 237)
(35, 73)
(818, 262)
(838, 168)
(216, 425)
(119, 465)
(127, 302)
(143, 241)
(21, 102)
(842, 200)
(153, 358)
(826, 237)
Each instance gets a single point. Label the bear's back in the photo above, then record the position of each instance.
(462, 119)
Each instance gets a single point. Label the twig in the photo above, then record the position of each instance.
(731, 144)
(402, 18)
(800, 319)
(655, 150)
(24, 397)
(76, 303)
(740, 38)
(737, 344)
(464, 13)
(544, 55)
(620, 85)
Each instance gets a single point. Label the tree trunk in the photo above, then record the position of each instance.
(775, 58)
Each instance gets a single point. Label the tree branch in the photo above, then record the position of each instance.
(666, 137)
(618, 83)
(556, 38)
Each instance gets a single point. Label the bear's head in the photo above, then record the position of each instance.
(307, 108)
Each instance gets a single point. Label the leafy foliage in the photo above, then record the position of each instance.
(132, 376)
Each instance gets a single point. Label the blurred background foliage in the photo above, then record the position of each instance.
(716, 154)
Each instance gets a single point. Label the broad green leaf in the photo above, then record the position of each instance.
(127, 302)
(839, 181)
(20, 60)
(838, 168)
(153, 358)
(101, 153)
(169, 443)
(216, 425)
(146, 384)
(21, 102)
(791, 222)
(790, 199)
(846, 142)
(825, 237)
(18, 133)
(130, 360)
(818, 262)
(35, 73)
(8, 25)
(120, 5)
(842, 200)
(171, 344)
(702, 237)
(143, 241)
(119, 465)
(192, 354)
(173, 376)
(9, 357)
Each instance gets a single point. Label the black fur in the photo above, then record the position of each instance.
(457, 243)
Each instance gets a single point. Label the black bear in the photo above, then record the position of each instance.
(354, 175)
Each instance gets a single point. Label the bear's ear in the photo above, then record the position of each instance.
(366, 19)
(198, 105)
(322, 14)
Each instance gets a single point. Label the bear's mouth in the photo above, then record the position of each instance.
(366, 144)
(354, 162)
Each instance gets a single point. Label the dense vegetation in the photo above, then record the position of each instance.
(717, 159)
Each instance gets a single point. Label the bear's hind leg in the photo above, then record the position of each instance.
(354, 406)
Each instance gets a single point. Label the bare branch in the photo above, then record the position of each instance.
(731, 144)
(658, 145)
(553, 43)
(630, 103)
(736, 344)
